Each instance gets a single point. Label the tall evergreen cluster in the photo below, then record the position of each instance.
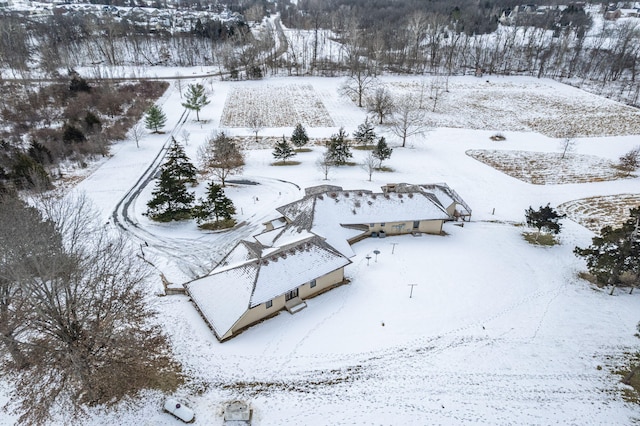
(171, 200)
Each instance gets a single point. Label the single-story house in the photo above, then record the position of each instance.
(254, 282)
(304, 252)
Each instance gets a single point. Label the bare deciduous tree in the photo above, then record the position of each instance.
(325, 163)
(89, 336)
(380, 104)
(256, 124)
(357, 85)
(408, 119)
(630, 161)
(184, 136)
(137, 132)
(370, 164)
(567, 144)
(436, 88)
(222, 155)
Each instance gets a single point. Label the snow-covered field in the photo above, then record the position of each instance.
(525, 104)
(496, 332)
(599, 211)
(549, 168)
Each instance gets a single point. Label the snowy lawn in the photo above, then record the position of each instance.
(497, 331)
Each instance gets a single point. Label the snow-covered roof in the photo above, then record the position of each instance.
(243, 251)
(231, 289)
(294, 265)
(362, 207)
(223, 297)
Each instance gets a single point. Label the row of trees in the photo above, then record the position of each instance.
(76, 329)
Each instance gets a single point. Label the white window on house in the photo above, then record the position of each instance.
(269, 304)
(312, 283)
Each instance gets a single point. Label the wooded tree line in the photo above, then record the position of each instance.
(405, 36)
(72, 40)
(437, 39)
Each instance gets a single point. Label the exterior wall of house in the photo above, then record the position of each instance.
(396, 228)
(322, 283)
(451, 209)
(261, 311)
(431, 227)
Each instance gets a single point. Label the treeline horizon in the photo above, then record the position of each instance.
(340, 37)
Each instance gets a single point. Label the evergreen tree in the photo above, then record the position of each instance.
(544, 218)
(365, 135)
(216, 204)
(179, 164)
(28, 173)
(170, 199)
(155, 119)
(615, 252)
(196, 99)
(40, 153)
(338, 148)
(299, 136)
(382, 151)
(283, 150)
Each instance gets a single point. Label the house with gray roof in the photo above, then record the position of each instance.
(304, 252)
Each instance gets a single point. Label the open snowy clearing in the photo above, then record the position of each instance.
(549, 168)
(497, 331)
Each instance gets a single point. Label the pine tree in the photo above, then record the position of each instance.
(365, 134)
(299, 136)
(179, 164)
(338, 148)
(615, 252)
(196, 99)
(155, 119)
(544, 218)
(216, 204)
(170, 199)
(382, 151)
(283, 150)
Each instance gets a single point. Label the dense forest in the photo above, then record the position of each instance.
(401, 36)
